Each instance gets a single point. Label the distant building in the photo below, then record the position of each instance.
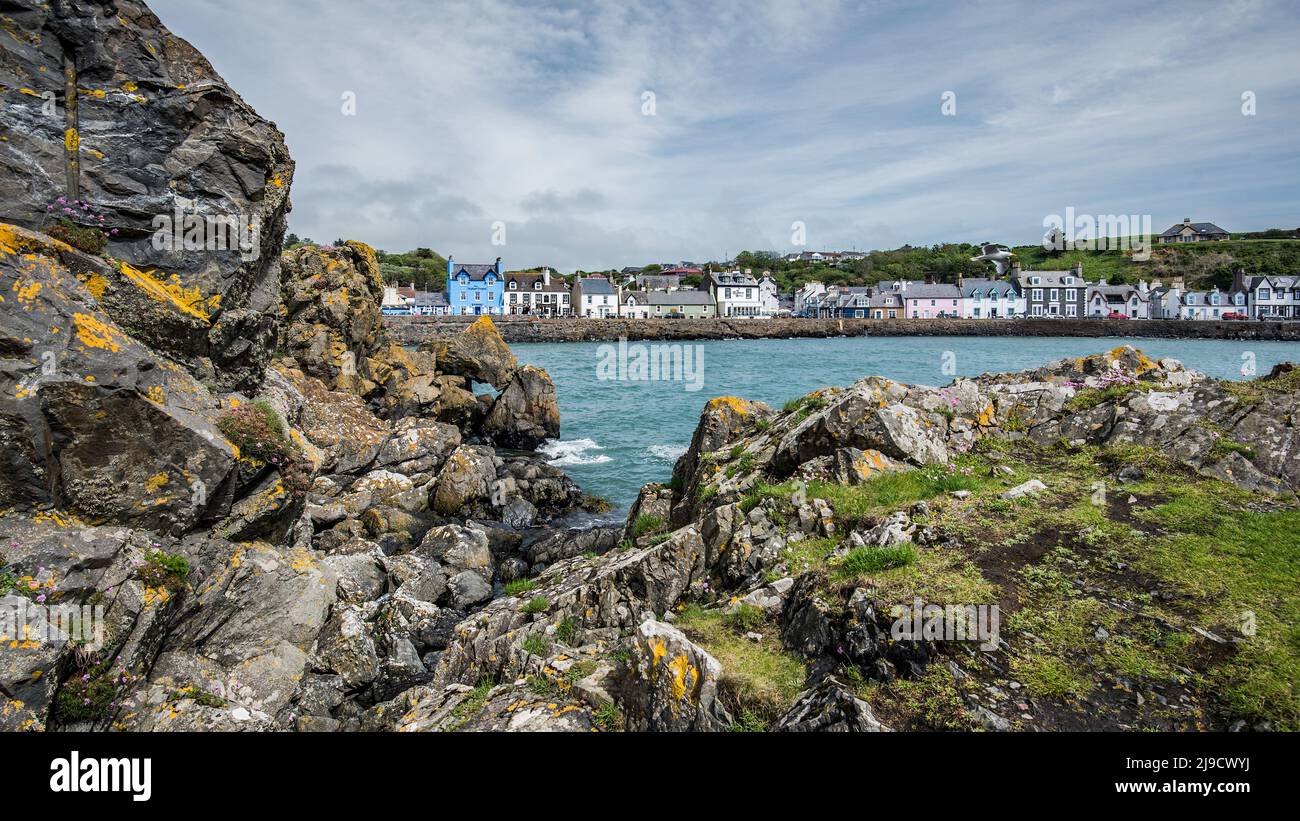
(635, 304)
(1052, 293)
(806, 292)
(736, 294)
(535, 294)
(430, 303)
(682, 304)
(659, 282)
(475, 290)
(769, 298)
(1132, 302)
(1190, 231)
(594, 296)
(1269, 296)
(923, 300)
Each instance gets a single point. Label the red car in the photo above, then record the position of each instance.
(1233, 315)
(1116, 315)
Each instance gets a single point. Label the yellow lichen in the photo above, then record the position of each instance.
(71, 140)
(95, 333)
(153, 483)
(189, 300)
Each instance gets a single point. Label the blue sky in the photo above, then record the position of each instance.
(826, 113)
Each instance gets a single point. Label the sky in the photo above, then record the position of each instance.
(607, 134)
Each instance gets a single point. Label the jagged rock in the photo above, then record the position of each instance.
(889, 533)
(337, 423)
(525, 413)
(361, 578)
(458, 549)
(466, 589)
(215, 157)
(418, 446)
(674, 683)
(331, 322)
(89, 415)
(466, 482)
(566, 544)
(723, 420)
(478, 353)
(346, 648)
(829, 707)
(808, 621)
(505, 708)
(652, 500)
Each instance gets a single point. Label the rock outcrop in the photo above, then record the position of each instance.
(192, 185)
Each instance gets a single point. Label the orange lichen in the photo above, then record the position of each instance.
(188, 300)
(71, 140)
(736, 405)
(95, 333)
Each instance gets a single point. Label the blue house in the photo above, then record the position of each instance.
(474, 290)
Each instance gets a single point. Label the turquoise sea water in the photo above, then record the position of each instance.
(616, 435)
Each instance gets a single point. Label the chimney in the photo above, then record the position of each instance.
(498, 266)
(546, 276)
(1239, 279)
(1077, 269)
(1187, 220)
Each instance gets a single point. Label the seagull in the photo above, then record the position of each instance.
(997, 254)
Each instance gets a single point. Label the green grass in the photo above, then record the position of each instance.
(537, 604)
(864, 560)
(760, 678)
(536, 644)
(566, 630)
(883, 493)
(646, 523)
(519, 586)
(745, 617)
(471, 706)
(607, 718)
(1089, 398)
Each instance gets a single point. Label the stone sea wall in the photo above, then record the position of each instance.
(417, 330)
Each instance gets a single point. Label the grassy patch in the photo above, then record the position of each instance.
(166, 570)
(759, 678)
(863, 560)
(536, 644)
(261, 438)
(520, 586)
(646, 523)
(537, 604)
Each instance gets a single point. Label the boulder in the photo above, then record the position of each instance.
(673, 683)
(829, 707)
(526, 412)
(466, 482)
(478, 353)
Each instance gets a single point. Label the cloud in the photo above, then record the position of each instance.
(469, 113)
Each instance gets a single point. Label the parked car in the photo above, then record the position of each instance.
(1116, 315)
(1233, 315)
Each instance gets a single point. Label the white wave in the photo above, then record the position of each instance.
(573, 452)
(669, 453)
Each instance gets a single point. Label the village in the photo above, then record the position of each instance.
(686, 291)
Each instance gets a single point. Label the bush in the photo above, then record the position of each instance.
(536, 605)
(89, 240)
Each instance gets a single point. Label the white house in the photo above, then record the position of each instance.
(808, 291)
(736, 294)
(594, 296)
(635, 304)
(527, 292)
(1271, 296)
(768, 297)
(990, 299)
(1132, 302)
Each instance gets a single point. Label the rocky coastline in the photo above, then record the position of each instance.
(515, 329)
(289, 517)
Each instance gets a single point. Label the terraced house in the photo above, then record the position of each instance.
(474, 290)
(1127, 300)
(1270, 296)
(1053, 293)
(536, 294)
(924, 300)
(990, 299)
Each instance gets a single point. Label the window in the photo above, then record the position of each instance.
(1036, 294)
(537, 286)
(1034, 280)
(478, 296)
(512, 284)
(1054, 309)
(1071, 310)
(464, 295)
(1071, 294)
(1264, 293)
(1054, 295)
(1038, 310)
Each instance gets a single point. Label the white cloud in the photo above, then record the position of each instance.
(829, 113)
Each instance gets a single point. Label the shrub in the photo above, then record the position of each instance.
(263, 439)
(83, 238)
(537, 604)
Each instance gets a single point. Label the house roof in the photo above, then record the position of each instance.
(733, 279)
(680, 298)
(430, 299)
(1050, 278)
(999, 286)
(473, 271)
(926, 290)
(1197, 227)
(595, 285)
